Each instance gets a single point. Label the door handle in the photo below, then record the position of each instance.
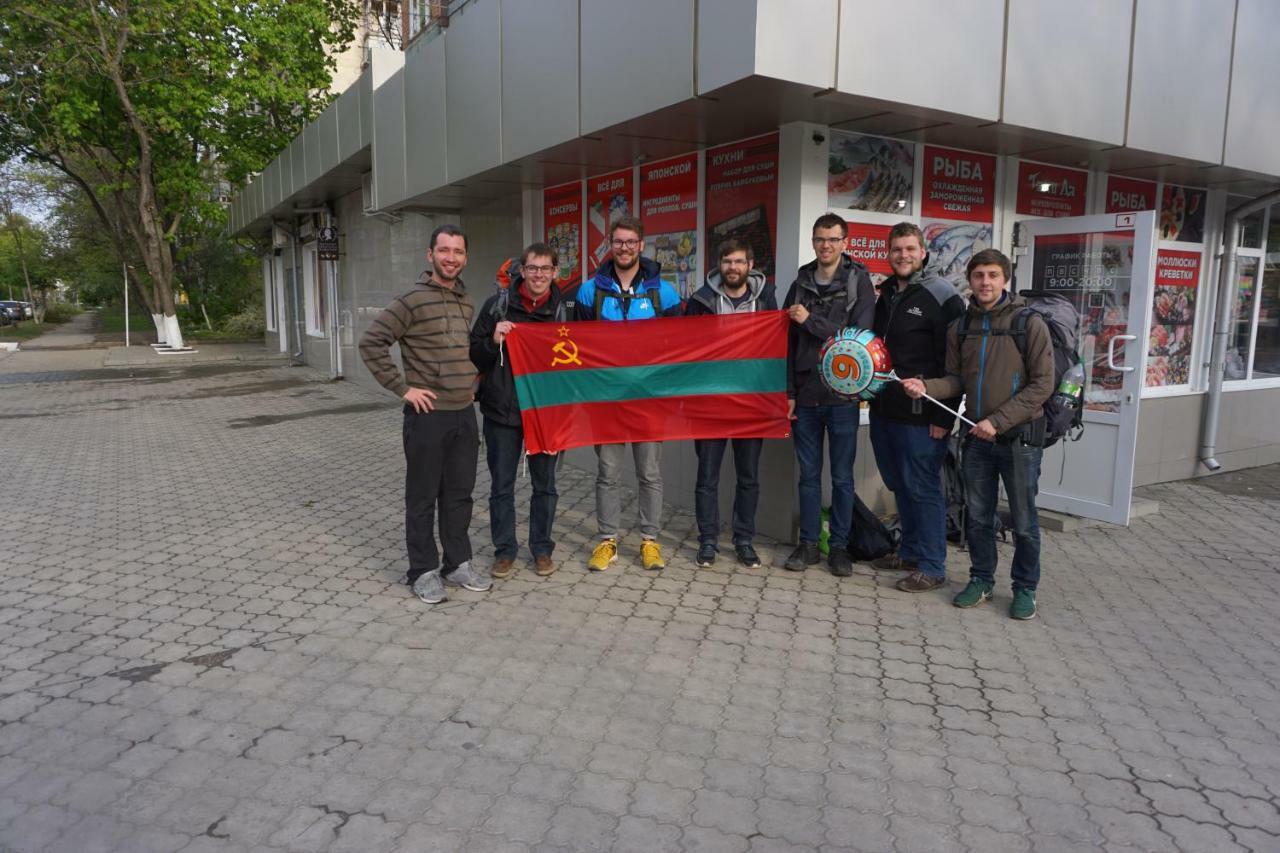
(1111, 353)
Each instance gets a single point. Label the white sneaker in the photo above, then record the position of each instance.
(467, 578)
(429, 588)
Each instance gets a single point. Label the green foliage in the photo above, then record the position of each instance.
(37, 249)
(60, 312)
(251, 323)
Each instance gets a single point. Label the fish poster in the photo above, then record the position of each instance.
(958, 185)
(952, 244)
(669, 211)
(1129, 195)
(870, 173)
(742, 198)
(608, 198)
(562, 220)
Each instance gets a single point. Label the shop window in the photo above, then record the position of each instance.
(1266, 346)
(313, 294)
(1253, 348)
(1237, 360)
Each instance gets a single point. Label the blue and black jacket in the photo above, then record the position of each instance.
(602, 298)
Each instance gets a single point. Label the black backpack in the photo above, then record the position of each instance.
(1062, 416)
(869, 537)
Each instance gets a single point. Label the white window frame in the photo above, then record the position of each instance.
(1249, 383)
(313, 304)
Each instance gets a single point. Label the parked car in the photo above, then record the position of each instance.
(13, 309)
(5, 319)
(27, 313)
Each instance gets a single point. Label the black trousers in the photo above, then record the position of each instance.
(440, 453)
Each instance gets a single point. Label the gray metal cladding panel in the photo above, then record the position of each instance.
(327, 129)
(388, 142)
(1253, 117)
(366, 107)
(727, 42)
(311, 149)
(1067, 67)
(927, 53)
(271, 185)
(636, 58)
(1181, 69)
(796, 40)
(425, 131)
(539, 75)
(297, 168)
(348, 106)
(473, 91)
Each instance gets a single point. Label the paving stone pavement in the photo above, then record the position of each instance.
(205, 646)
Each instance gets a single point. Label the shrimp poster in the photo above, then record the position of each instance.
(669, 212)
(870, 173)
(1172, 317)
(562, 220)
(608, 198)
(742, 197)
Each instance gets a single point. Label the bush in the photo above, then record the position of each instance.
(60, 312)
(249, 323)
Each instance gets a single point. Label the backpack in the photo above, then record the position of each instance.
(1063, 415)
(869, 537)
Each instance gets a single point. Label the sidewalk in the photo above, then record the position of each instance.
(76, 332)
(205, 645)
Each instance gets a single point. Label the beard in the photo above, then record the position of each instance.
(617, 264)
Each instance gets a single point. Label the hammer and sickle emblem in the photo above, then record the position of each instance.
(566, 353)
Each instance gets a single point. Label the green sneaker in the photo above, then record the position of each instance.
(974, 593)
(1024, 604)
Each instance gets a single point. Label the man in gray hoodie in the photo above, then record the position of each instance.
(735, 287)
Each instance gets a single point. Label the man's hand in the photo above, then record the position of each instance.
(983, 430)
(791, 410)
(913, 388)
(798, 313)
(421, 399)
(501, 331)
(936, 432)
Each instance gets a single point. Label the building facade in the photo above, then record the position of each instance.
(982, 121)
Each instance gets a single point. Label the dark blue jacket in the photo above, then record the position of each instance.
(601, 298)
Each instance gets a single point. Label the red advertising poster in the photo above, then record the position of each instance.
(1173, 318)
(742, 197)
(1051, 190)
(669, 211)
(1129, 194)
(562, 219)
(869, 246)
(608, 197)
(958, 185)
(1177, 269)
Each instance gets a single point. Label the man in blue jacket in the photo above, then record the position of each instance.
(625, 288)
(734, 288)
(830, 292)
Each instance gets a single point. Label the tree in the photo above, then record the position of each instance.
(152, 107)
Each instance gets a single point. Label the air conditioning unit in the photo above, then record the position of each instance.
(279, 239)
(366, 192)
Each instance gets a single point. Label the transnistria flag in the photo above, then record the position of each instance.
(603, 382)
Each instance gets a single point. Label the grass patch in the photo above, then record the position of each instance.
(111, 320)
(25, 331)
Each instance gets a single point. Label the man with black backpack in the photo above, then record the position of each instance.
(531, 297)
(1001, 355)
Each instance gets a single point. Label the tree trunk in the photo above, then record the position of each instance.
(37, 314)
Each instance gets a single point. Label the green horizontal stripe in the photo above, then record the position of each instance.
(605, 384)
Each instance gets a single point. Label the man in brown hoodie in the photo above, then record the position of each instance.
(1006, 383)
(432, 324)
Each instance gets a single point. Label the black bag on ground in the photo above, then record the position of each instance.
(869, 538)
(953, 491)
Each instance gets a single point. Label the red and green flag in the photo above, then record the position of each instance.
(602, 382)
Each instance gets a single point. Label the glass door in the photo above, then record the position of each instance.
(1105, 265)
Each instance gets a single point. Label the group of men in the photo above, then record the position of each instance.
(939, 347)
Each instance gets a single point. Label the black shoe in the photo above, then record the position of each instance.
(706, 555)
(806, 554)
(841, 565)
(920, 582)
(747, 555)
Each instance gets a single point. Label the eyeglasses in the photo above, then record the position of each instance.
(529, 269)
(828, 241)
(625, 244)
(734, 262)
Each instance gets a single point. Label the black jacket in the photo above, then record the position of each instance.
(850, 301)
(912, 318)
(497, 394)
(711, 299)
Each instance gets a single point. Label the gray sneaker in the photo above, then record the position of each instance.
(468, 578)
(429, 588)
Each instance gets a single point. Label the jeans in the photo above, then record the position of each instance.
(984, 464)
(706, 494)
(648, 459)
(440, 452)
(840, 424)
(910, 464)
(503, 450)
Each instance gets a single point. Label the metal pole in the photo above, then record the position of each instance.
(937, 403)
(126, 303)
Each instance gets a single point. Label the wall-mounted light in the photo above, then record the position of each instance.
(1044, 187)
(902, 202)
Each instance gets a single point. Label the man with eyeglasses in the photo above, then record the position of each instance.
(735, 288)
(530, 298)
(830, 292)
(627, 287)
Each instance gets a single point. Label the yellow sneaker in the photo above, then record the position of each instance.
(604, 554)
(651, 555)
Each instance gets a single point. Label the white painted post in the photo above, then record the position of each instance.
(126, 304)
